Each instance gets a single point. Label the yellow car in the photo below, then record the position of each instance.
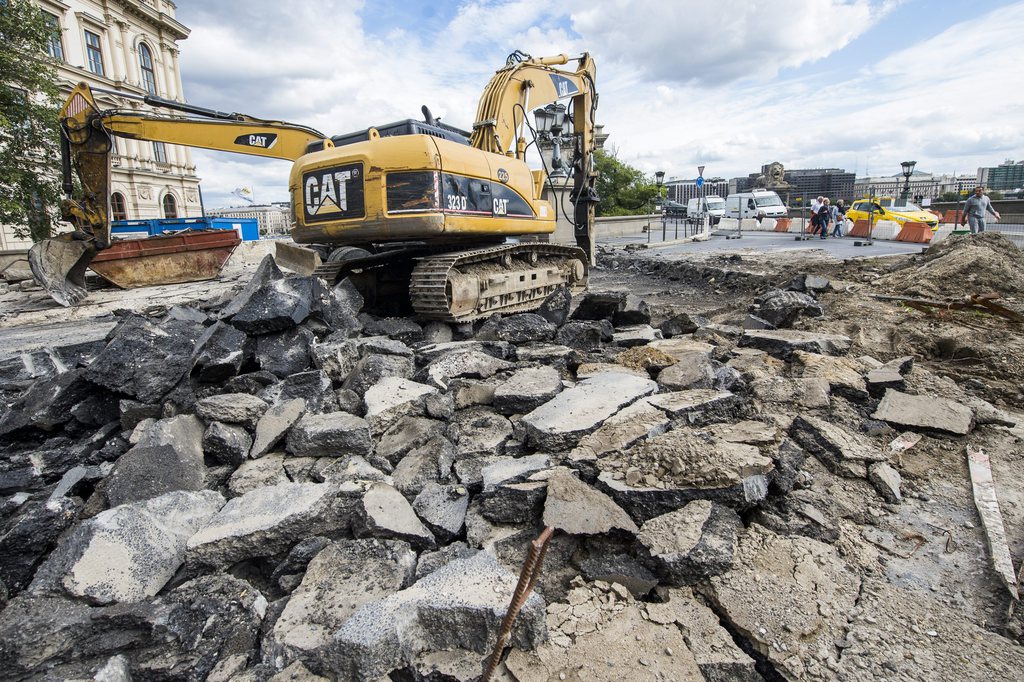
(887, 208)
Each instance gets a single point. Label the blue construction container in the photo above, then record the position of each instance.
(247, 228)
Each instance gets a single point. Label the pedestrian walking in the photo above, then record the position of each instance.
(824, 217)
(815, 207)
(975, 209)
(839, 217)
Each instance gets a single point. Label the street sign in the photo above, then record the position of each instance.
(700, 182)
(700, 171)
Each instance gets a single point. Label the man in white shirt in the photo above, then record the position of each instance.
(815, 207)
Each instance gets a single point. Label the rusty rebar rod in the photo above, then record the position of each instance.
(527, 580)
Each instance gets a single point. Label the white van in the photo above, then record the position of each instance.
(751, 204)
(714, 206)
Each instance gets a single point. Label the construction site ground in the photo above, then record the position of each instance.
(829, 577)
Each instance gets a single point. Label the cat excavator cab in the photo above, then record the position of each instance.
(418, 214)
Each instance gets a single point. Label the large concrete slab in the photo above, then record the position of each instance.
(342, 577)
(128, 553)
(790, 597)
(460, 605)
(575, 412)
(267, 521)
(576, 508)
(925, 412)
(783, 342)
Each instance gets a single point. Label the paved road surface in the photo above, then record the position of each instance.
(768, 242)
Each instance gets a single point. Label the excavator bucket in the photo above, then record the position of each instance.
(59, 265)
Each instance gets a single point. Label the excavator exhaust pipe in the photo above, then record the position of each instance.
(59, 266)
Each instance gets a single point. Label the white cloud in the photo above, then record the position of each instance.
(681, 84)
(712, 43)
(945, 101)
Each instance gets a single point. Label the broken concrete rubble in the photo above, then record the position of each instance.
(231, 408)
(392, 398)
(576, 508)
(443, 509)
(844, 453)
(709, 463)
(167, 457)
(527, 390)
(603, 634)
(783, 342)
(782, 308)
(161, 355)
(274, 424)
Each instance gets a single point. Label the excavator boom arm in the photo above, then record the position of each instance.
(523, 86)
(59, 264)
(88, 130)
(527, 83)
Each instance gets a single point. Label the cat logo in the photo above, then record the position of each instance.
(564, 87)
(261, 140)
(502, 175)
(332, 193)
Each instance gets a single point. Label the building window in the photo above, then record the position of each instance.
(117, 206)
(170, 206)
(160, 152)
(92, 49)
(54, 46)
(148, 74)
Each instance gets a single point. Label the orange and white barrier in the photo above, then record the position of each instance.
(886, 229)
(919, 233)
(860, 229)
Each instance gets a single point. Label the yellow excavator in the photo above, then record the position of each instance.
(419, 214)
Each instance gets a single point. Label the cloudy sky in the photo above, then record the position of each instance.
(730, 84)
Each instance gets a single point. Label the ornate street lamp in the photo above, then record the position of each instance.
(659, 179)
(550, 122)
(908, 170)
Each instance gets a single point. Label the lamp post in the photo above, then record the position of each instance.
(550, 122)
(908, 170)
(659, 180)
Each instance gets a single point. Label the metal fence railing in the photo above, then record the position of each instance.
(675, 226)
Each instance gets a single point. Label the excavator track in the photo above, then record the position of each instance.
(469, 285)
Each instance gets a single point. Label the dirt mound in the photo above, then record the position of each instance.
(962, 265)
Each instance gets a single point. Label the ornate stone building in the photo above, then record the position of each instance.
(273, 220)
(129, 47)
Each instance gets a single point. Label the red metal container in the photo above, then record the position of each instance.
(190, 256)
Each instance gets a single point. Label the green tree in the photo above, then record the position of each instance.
(950, 196)
(624, 190)
(995, 195)
(29, 165)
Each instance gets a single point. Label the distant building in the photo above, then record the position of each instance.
(681, 191)
(809, 184)
(129, 47)
(922, 185)
(273, 219)
(805, 184)
(1005, 176)
(742, 184)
